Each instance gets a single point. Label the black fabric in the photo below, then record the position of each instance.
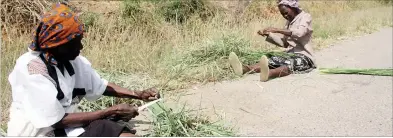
(60, 133)
(128, 127)
(78, 92)
(67, 66)
(298, 63)
(103, 128)
(53, 75)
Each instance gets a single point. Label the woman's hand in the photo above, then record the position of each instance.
(150, 94)
(266, 31)
(262, 33)
(269, 30)
(124, 112)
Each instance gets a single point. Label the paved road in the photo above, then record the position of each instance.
(311, 104)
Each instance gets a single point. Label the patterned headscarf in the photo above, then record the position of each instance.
(58, 26)
(290, 3)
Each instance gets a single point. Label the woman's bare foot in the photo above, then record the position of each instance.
(235, 64)
(264, 68)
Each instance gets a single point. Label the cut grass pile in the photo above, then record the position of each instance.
(181, 123)
(374, 72)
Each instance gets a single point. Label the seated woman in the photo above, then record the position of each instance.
(295, 38)
(51, 78)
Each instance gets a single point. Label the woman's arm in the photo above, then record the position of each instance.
(275, 38)
(117, 91)
(80, 119)
(125, 111)
(285, 32)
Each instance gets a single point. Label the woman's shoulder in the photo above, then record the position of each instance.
(26, 58)
(306, 15)
(81, 61)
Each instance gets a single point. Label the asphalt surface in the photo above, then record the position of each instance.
(310, 104)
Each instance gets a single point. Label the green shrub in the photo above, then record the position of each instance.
(131, 9)
(134, 14)
(89, 19)
(180, 11)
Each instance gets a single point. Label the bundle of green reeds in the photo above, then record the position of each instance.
(374, 72)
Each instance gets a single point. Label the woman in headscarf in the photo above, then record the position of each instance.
(51, 78)
(295, 38)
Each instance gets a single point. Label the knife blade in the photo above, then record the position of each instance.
(140, 108)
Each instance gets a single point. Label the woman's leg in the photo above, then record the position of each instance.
(256, 68)
(239, 68)
(277, 69)
(279, 72)
(270, 73)
(298, 63)
(267, 73)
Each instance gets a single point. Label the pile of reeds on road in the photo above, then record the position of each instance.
(374, 72)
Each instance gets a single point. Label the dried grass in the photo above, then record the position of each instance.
(21, 13)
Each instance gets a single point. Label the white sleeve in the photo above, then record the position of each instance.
(94, 85)
(40, 103)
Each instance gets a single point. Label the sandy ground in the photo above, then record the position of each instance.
(310, 104)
